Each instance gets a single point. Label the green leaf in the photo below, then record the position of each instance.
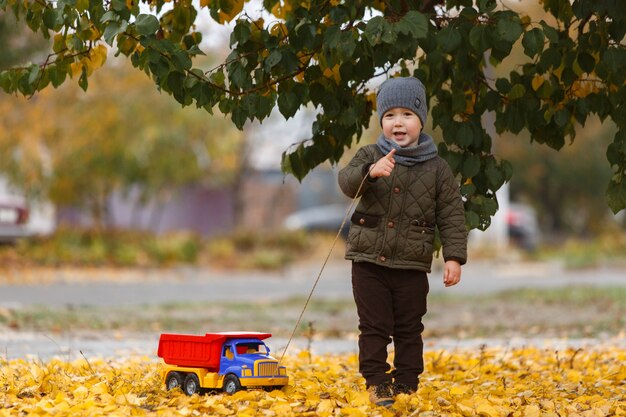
(614, 59)
(471, 166)
(494, 175)
(486, 5)
(296, 165)
(241, 33)
(332, 36)
(449, 39)
(414, 23)
(147, 24)
(250, 104)
(218, 78)
(586, 62)
(562, 117)
(288, 104)
(50, 18)
(517, 92)
(616, 193)
(112, 30)
(374, 30)
(82, 5)
(265, 105)
(480, 38)
(5, 81)
(509, 29)
(468, 189)
(472, 220)
(110, 15)
(175, 84)
(273, 59)
(238, 116)
(465, 135)
(202, 93)
(82, 81)
(33, 73)
(181, 60)
(551, 33)
(533, 42)
(238, 75)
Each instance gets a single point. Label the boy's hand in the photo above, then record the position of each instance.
(384, 166)
(451, 273)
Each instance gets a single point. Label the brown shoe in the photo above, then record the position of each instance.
(399, 388)
(381, 395)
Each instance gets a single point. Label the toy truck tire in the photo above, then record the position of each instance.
(192, 384)
(231, 384)
(173, 380)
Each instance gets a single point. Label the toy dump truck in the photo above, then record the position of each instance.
(219, 361)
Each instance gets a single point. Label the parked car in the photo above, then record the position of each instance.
(325, 218)
(523, 227)
(14, 215)
(521, 221)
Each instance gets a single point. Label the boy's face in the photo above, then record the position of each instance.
(402, 126)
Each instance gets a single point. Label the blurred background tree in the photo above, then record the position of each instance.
(76, 148)
(22, 45)
(567, 189)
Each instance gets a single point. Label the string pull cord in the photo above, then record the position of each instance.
(319, 275)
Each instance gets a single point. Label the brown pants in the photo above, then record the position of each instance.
(390, 304)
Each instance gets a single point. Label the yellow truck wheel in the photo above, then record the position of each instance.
(173, 380)
(192, 384)
(231, 384)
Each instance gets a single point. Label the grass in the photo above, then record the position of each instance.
(609, 248)
(243, 249)
(568, 312)
(248, 249)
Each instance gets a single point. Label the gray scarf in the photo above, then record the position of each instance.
(423, 151)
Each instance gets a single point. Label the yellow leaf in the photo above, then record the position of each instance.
(236, 8)
(325, 408)
(98, 57)
(537, 82)
(531, 411)
(460, 389)
(76, 68)
(353, 411)
(245, 396)
(466, 408)
(80, 392)
(484, 408)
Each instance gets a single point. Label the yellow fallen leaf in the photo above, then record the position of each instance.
(460, 389)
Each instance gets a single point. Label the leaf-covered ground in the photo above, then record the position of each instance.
(490, 382)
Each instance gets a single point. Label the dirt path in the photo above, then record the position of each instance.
(119, 288)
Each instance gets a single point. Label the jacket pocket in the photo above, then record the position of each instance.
(363, 234)
(365, 220)
(419, 241)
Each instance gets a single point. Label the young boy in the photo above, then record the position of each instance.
(408, 192)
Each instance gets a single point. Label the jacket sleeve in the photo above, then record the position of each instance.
(450, 215)
(351, 176)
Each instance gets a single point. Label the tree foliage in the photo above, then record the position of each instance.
(19, 43)
(568, 188)
(76, 149)
(325, 53)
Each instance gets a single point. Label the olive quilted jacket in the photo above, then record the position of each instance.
(394, 222)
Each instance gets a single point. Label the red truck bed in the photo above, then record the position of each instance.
(199, 351)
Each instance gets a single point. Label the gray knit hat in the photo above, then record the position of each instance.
(407, 92)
